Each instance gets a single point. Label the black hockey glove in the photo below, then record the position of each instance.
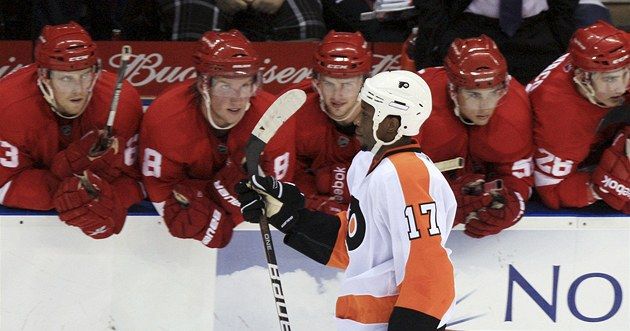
(280, 201)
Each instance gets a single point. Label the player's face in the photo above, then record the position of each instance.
(364, 130)
(478, 105)
(339, 94)
(71, 89)
(610, 87)
(230, 97)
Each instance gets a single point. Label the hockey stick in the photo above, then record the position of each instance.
(278, 113)
(628, 148)
(104, 140)
(452, 164)
(370, 15)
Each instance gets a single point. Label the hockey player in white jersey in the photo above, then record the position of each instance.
(391, 239)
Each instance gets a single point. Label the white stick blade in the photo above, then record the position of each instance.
(279, 112)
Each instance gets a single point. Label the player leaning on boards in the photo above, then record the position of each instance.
(325, 142)
(390, 241)
(483, 115)
(50, 118)
(194, 135)
(581, 122)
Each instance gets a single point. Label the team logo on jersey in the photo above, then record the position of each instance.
(343, 141)
(222, 148)
(356, 225)
(66, 129)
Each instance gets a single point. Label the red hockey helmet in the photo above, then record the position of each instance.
(475, 63)
(227, 54)
(343, 54)
(599, 47)
(65, 47)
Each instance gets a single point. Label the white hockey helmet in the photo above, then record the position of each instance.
(399, 93)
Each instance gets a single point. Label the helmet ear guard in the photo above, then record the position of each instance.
(397, 93)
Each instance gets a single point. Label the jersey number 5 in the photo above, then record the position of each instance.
(426, 210)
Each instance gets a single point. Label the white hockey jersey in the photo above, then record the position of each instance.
(392, 240)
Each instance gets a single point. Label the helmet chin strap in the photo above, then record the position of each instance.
(379, 143)
(452, 92)
(207, 101)
(350, 115)
(49, 95)
(587, 90)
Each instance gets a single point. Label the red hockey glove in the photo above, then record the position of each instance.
(221, 189)
(76, 158)
(325, 204)
(506, 210)
(469, 195)
(331, 181)
(189, 213)
(611, 178)
(92, 206)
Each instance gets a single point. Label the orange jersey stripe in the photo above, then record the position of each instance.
(365, 309)
(428, 283)
(339, 257)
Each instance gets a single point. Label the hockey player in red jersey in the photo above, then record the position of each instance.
(483, 115)
(325, 143)
(574, 100)
(51, 116)
(194, 135)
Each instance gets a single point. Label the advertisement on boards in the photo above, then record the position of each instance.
(155, 65)
(519, 280)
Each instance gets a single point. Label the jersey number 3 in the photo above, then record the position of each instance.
(427, 210)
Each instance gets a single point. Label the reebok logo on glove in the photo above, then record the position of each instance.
(620, 189)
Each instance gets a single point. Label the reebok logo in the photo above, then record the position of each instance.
(615, 186)
(339, 183)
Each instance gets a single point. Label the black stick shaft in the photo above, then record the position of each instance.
(254, 147)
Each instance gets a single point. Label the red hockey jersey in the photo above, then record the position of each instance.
(320, 143)
(567, 135)
(500, 149)
(178, 143)
(31, 134)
